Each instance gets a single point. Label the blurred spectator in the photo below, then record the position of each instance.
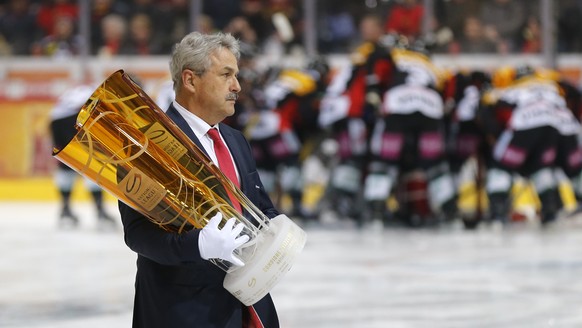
(290, 11)
(405, 18)
(337, 29)
(63, 42)
(150, 8)
(4, 47)
(141, 39)
(254, 11)
(114, 29)
(570, 26)
(502, 20)
(206, 24)
(473, 39)
(18, 27)
(101, 9)
(283, 34)
(52, 10)
(157, 11)
(530, 40)
(240, 28)
(222, 11)
(452, 13)
(177, 23)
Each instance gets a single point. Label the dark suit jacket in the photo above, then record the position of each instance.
(175, 287)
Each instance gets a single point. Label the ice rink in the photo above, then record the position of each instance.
(520, 276)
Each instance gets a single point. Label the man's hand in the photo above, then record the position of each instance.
(217, 243)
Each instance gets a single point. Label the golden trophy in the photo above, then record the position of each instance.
(127, 145)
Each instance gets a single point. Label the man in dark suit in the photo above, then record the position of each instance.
(176, 285)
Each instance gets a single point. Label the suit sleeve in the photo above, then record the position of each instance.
(167, 248)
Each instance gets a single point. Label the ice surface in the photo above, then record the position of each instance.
(520, 276)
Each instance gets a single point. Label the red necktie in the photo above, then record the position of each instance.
(250, 318)
(225, 164)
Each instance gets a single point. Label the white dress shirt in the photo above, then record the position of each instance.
(200, 129)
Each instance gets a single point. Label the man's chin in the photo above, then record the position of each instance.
(230, 111)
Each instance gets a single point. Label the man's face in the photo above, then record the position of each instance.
(217, 89)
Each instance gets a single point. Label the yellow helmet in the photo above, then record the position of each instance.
(503, 76)
(548, 74)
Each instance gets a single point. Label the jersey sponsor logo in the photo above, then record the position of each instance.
(407, 99)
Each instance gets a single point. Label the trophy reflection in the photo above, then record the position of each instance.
(127, 145)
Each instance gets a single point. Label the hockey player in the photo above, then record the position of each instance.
(466, 138)
(410, 135)
(278, 133)
(348, 113)
(534, 134)
(573, 97)
(63, 120)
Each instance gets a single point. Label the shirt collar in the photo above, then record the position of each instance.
(198, 126)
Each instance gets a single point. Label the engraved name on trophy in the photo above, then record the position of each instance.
(127, 145)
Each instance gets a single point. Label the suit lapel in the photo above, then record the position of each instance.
(183, 125)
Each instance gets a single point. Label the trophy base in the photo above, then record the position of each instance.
(276, 252)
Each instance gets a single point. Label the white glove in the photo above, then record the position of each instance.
(215, 243)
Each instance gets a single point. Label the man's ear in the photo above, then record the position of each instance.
(188, 79)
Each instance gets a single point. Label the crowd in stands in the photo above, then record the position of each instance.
(148, 27)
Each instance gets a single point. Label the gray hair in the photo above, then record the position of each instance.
(194, 52)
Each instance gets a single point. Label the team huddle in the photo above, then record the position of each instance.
(402, 130)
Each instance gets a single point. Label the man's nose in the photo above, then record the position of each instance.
(235, 86)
